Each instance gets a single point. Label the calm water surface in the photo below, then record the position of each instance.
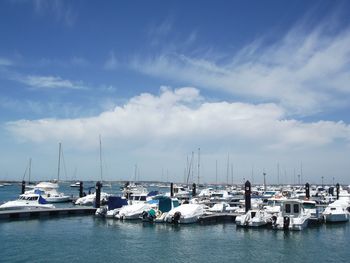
(89, 239)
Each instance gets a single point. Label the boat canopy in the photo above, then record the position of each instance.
(116, 202)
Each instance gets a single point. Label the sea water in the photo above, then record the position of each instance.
(90, 239)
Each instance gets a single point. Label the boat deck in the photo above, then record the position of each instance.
(45, 213)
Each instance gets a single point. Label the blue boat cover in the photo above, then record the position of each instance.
(116, 202)
(153, 193)
(164, 203)
(42, 201)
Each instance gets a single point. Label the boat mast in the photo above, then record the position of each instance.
(59, 162)
(199, 152)
(100, 157)
(30, 169)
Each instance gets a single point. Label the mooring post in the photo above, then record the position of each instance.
(337, 186)
(193, 189)
(23, 187)
(307, 190)
(98, 195)
(247, 193)
(171, 189)
(81, 189)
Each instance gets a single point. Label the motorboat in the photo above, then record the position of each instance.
(292, 216)
(160, 207)
(253, 218)
(49, 192)
(27, 201)
(89, 200)
(130, 212)
(114, 204)
(336, 212)
(222, 207)
(185, 214)
(76, 184)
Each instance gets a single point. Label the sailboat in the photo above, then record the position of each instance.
(48, 190)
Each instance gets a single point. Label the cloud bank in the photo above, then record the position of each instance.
(182, 116)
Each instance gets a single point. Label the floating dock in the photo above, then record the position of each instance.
(45, 213)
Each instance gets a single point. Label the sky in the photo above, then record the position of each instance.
(209, 91)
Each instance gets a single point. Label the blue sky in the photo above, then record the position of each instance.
(265, 82)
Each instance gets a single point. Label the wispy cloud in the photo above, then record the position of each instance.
(305, 71)
(111, 62)
(181, 116)
(60, 10)
(5, 62)
(50, 82)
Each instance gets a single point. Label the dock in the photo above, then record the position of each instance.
(45, 213)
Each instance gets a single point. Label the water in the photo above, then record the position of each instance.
(90, 239)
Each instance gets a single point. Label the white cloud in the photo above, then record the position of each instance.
(49, 82)
(305, 71)
(182, 116)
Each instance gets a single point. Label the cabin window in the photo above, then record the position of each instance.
(333, 208)
(287, 208)
(143, 198)
(296, 208)
(253, 214)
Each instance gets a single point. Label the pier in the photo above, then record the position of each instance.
(45, 213)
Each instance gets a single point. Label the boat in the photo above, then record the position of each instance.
(76, 184)
(130, 212)
(185, 214)
(27, 201)
(253, 218)
(49, 192)
(292, 216)
(222, 207)
(160, 206)
(114, 204)
(336, 212)
(89, 200)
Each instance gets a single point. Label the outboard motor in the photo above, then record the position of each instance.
(144, 215)
(176, 218)
(286, 222)
(274, 220)
(102, 211)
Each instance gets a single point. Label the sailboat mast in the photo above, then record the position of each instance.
(100, 157)
(199, 155)
(30, 169)
(59, 161)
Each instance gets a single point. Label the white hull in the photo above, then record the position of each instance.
(336, 217)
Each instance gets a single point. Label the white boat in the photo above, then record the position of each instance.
(90, 199)
(29, 201)
(77, 184)
(222, 207)
(160, 207)
(185, 214)
(134, 211)
(336, 212)
(292, 216)
(49, 192)
(253, 218)
(114, 204)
